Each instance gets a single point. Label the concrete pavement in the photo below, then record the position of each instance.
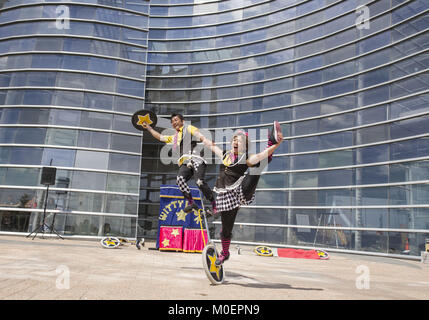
(56, 269)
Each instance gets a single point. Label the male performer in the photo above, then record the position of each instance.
(189, 163)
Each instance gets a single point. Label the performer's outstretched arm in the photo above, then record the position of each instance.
(154, 133)
(210, 144)
(256, 158)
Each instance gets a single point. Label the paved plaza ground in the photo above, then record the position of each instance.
(56, 269)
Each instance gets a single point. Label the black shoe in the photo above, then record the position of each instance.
(274, 134)
(191, 207)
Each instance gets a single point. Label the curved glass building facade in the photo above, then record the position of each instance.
(348, 81)
(71, 75)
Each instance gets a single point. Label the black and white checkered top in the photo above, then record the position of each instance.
(228, 184)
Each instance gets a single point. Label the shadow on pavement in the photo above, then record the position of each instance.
(259, 284)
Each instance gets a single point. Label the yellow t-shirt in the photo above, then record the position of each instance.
(170, 139)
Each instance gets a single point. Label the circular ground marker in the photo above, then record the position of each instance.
(110, 242)
(263, 251)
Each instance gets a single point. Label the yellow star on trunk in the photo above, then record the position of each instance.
(175, 232)
(181, 215)
(143, 119)
(166, 243)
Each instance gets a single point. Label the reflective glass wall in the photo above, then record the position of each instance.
(71, 75)
(348, 81)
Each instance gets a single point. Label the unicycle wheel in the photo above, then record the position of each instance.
(214, 273)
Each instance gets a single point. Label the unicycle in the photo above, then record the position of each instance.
(215, 274)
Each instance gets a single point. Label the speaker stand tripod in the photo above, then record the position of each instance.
(43, 226)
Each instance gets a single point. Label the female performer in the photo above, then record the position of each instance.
(233, 186)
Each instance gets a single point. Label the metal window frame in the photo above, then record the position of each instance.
(116, 94)
(65, 2)
(126, 194)
(369, 2)
(112, 24)
(301, 73)
(287, 34)
(103, 214)
(109, 151)
(41, 35)
(22, 166)
(74, 71)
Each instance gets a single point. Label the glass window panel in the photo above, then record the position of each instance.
(131, 69)
(374, 42)
(376, 114)
(96, 120)
(77, 45)
(372, 154)
(128, 105)
(123, 162)
(102, 65)
(43, 61)
(105, 84)
(121, 204)
(336, 159)
(64, 117)
(305, 144)
(409, 127)
(304, 180)
(22, 135)
(91, 159)
(375, 95)
(307, 161)
(372, 175)
(75, 62)
(372, 134)
(93, 139)
(123, 123)
(33, 116)
(106, 48)
(37, 97)
(374, 196)
(20, 155)
(21, 176)
(81, 201)
(399, 195)
(59, 157)
(68, 98)
(336, 140)
(122, 183)
(130, 87)
(98, 101)
(126, 143)
(71, 80)
(88, 180)
(270, 198)
(62, 137)
(336, 178)
(47, 79)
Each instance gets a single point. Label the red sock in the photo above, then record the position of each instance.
(225, 245)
